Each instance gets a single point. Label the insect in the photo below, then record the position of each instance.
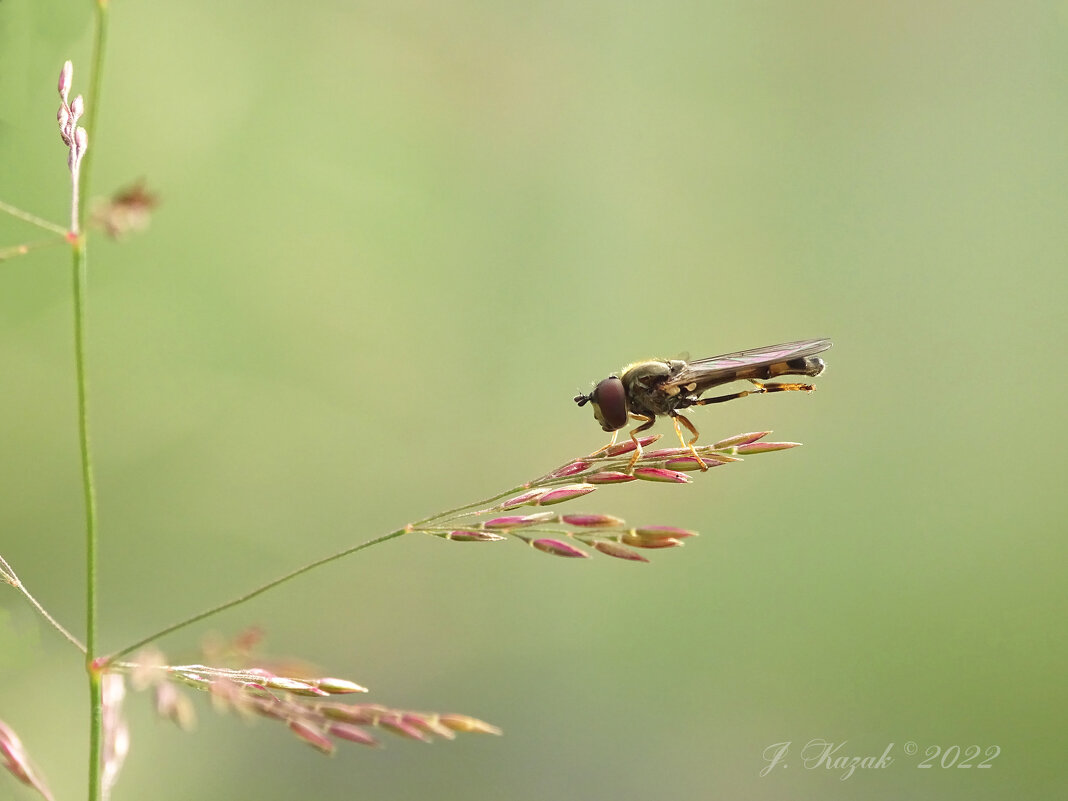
(659, 387)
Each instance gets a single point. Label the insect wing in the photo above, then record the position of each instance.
(705, 373)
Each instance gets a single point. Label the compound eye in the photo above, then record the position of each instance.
(610, 404)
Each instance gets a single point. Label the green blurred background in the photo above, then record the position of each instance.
(396, 238)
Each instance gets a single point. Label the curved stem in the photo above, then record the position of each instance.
(258, 591)
(440, 516)
(10, 577)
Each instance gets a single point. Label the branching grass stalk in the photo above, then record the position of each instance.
(440, 523)
(315, 723)
(441, 518)
(12, 578)
(248, 596)
(32, 219)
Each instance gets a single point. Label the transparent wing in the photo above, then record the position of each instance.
(705, 373)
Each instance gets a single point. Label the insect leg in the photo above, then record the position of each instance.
(633, 438)
(782, 387)
(760, 389)
(677, 418)
(611, 442)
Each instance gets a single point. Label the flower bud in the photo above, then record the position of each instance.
(63, 118)
(66, 77)
(766, 447)
(626, 447)
(659, 474)
(471, 536)
(570, 469)
(293, 686)
(339, 686)
(650, 542)
(609, 477)
(618, 551)
(463, 723)
(740, 439)
(560, 548)
(430, 724)
(664, 531)
(397, 725)
(565, 493)
(81, 142)
(354, 734)
(529, 497)
(347, 713)
(592, 521)
(657, 536)
(311, 736)
(174, 707)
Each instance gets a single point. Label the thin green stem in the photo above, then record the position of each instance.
(26, 247)
(96, 735)
(96, 698)
(258, 591)
(80, 272)
(465, 510)
(32, 219)
(437, 521)
(10, 577)
(88, 486)
(440, 517)
(298, 572)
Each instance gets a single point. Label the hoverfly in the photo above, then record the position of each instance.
(650, 389)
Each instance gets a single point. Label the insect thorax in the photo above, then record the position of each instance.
(643, 383)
